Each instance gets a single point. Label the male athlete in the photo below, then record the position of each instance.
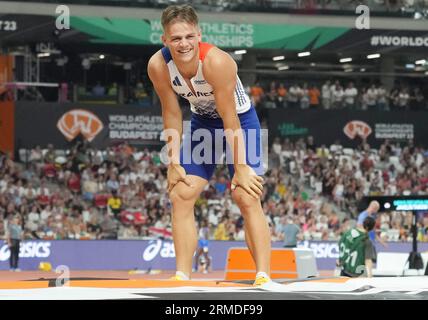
(356, 250)
(207, 77)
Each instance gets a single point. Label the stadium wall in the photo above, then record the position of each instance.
(7, 127)
(59, 124)
(150, 254)
(348, 127)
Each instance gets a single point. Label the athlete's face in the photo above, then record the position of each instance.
(182, 39)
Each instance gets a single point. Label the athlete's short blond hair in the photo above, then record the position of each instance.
(183, 12)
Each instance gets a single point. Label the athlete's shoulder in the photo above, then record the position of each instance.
(204, 48)
(217, 59)
(157, 60)
(210, 52)
(156, 66)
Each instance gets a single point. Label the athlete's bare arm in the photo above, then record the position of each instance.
(220, 70)
(171, 115)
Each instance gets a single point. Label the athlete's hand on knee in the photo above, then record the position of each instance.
(246, 178)
(175, 174)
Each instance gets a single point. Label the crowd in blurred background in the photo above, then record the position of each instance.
(119, 192)
(338, 95)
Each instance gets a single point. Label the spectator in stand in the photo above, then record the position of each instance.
(363, 99)
(93, 226)
(98, 90)
(350, 96)
(304, 97)
(49, 155)
(403, 100)
(310, 144)
(293, 96)
(393, 98)
(314, 97)
(220, 232)
(257, 93)
(73, 183)
(282, 96)
(337, 94)
(114, 204)
(89, 187)
(417, 100)
(112, 91)
(36, 155)
(326, 95)
(382, 99)
(109, 227)
(271, 97)
(372, 98)
(112, 183)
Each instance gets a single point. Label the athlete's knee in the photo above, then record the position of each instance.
(182, 193)
(244, 200)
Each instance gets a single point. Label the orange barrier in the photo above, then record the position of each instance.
(240, 264)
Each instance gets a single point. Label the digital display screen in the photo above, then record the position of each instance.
(399, 203)
(410, 205)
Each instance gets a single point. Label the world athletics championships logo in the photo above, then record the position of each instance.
(79, 121)
(357, 128)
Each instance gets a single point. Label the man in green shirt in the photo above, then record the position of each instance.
(356, 250)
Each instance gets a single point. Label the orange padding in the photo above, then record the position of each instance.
(131, 283)
(24, 284)
(240, 264)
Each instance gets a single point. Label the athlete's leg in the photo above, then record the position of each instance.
(199, 252)
(249, 241)
(184, 233)
(258, 239)
(257, 233)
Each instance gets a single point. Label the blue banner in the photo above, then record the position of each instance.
(151, 254)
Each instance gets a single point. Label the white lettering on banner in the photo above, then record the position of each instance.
(322, 249)
(135, 127)
(394, 131)
(399, 41)
(220, 34)
(28, 250)
(152, 250)
(8, 25)
(166, 250)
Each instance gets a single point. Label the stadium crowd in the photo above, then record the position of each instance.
(338, 95)
(119, 192)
